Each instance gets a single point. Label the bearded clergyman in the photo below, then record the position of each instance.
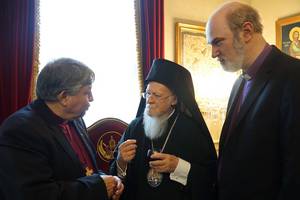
(167, 151)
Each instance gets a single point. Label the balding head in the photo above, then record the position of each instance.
(235, 33)
(235, 14)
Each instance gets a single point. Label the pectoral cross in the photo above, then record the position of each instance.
(88, 171)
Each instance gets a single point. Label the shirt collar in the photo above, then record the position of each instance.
(251, 72)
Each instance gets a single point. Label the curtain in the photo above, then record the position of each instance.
(18, 54)
(150, 34)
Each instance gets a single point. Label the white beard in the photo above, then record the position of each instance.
(154, 127)
(238, 62)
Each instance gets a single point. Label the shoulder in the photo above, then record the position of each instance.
(24, 128)
(185, 123)
(194, 128)
(190, 135)
(134, 127)
(24, 118)
(289, 68)
(286, 62)
(136, 122)
(281, 68)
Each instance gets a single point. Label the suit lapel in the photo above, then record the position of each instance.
(82, 134)
(262, 77)
(233, 98)
(52, 122)
(230, 108)
(252, 95)
(61, 139)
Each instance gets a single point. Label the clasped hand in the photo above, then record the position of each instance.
(114, 186)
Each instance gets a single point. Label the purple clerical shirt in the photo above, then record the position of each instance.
(252, 71)
(249, 77)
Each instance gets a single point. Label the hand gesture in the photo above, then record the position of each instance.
(110, 183)
(162, 162)
(118, 189)
(126, 153)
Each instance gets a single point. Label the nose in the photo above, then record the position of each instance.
(150, 99)
(91, 98)
(215, 52)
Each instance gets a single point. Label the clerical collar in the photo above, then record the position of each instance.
(251, 72)
(246, 76)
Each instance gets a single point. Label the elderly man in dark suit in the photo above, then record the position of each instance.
(259, 156)
(44, 149)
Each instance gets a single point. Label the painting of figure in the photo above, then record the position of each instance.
(288, 35)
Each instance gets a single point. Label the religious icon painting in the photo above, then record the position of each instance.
(288, 35)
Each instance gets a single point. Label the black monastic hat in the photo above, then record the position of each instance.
(179, 80)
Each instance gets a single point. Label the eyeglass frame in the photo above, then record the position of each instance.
(146, 95)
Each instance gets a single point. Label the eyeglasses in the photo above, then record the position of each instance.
(146, 95)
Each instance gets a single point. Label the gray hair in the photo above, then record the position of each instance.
(64, 74)
(241, 14)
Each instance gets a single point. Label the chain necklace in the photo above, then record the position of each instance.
(155, 178)
(167, 138)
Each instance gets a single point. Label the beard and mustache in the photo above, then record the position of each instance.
(155, 127)
(238, 61)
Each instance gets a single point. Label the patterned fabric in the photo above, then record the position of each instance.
(105, 135)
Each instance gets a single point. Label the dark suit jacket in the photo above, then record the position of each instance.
(260, 160)
(37, 161)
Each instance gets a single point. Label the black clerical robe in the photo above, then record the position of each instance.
(188, 142)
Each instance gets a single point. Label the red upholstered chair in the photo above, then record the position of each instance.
(105, 135)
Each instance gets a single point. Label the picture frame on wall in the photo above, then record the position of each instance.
(288, 35)
(187, 36)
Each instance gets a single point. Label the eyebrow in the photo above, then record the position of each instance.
(157, 93)
(217, 39)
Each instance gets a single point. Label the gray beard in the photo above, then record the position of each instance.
(154, 127)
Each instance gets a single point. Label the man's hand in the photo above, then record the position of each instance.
(110, 183)
(127, 151)
(163, 162)
(118, 189)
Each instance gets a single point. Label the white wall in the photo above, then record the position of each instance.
(271, 10)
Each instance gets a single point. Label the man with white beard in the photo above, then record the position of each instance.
(167, 151)
(154, 126)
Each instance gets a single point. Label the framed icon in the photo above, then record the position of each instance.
(288, 35)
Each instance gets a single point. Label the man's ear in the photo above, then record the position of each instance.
(248, 31)
(63, 98)
(174, 102)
